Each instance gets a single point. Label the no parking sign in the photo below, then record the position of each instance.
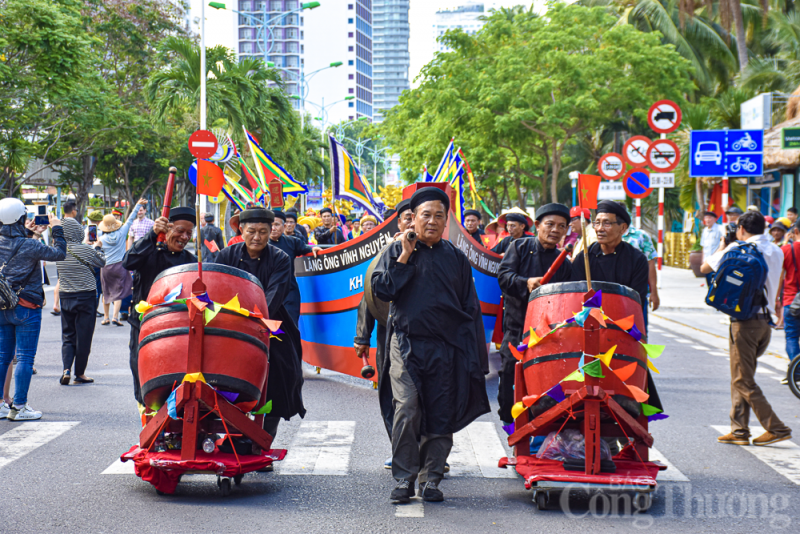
(637, 183)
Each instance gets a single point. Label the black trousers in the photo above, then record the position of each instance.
(133, 345)
(77, 329)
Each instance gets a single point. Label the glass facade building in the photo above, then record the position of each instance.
(391, 57)
(363, 39)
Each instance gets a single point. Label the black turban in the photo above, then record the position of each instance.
(609, 206)
(552, 209)
(475, 213)
(516, 217)
(291, 215)
(256, 215)
(280, 215)
(426, 194)
(209, 217)
(402, 206)
(183, 214)
(326, 210)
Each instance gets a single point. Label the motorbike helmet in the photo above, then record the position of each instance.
(12, 210)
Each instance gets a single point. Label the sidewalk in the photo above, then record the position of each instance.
(683, 301)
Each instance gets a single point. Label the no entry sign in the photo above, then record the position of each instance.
(203, 144)
(611, 166)
(637, 183)
(664, 116)
(663, 155)
(635, 150)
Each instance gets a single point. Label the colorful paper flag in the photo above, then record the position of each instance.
(606, 357)
(649, 410)
(209, 313)
(634, 332)
(653, 351)
(656, 417)
(652, 367)
(594, 369)
(233, 304)
(267, 408)
(210, 178)
(143, 306)
(625, 323)
(595, 301)
(598, 315)
(529, 400)
(574, 375)
(625, 372)
(637, 393)
(517, 409)
(515, 353)
(556, 393)
(588, 186)
(194, 377)
(268, 169)
(533, 339)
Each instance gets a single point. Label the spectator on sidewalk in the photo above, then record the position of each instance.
(791, 214)
(116, 279)
(20, 326)
(711, 238)
(78, 301)
(642, 242)
(791, 287)
(749, 340)
(777, 231)
(70, 210)
(140, 226)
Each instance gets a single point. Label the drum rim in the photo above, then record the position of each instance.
(609, 288)
(210, 267)
(221, 332)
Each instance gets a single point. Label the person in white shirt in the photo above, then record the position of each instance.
(749, 340)
(711, 238)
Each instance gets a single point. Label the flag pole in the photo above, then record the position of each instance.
(586, 254)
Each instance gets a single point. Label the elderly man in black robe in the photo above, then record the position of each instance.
(328, 233)
(148, 258)
(472, 224)
(294, 248)
(365, 325)
(435, 344)
(273, 269)
(525, 263)
(517, 225)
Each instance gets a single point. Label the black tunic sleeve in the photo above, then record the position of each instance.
(218, 238)
(500, 248)
(140, 255)
(278, 282)
(389, 276)
(578, 268)
(364, 325)
(507, 275)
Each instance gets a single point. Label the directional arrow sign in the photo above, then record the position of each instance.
(637, 183)
(664, 116)
(611, 166)
(203, 144)
(663, 155)
(635, 150)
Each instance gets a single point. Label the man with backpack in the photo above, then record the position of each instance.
(745, 286)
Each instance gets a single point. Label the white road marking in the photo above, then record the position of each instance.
(670, 335)
(120, 468)
(476, 451)
(783, 457)
(700, 348)
(672, 474)
(687, 341)
(656, 330)
(764, 372)
(412, 509)
(717, 353)
(27, 437)
(320, 448)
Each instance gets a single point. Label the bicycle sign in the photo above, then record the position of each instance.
(635, 150)
(732, 153)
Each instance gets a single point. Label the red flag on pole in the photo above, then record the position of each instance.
(210, 178)
(588, 185)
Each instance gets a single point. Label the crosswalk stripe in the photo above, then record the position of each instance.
(686, 341)
(764, 372)
(320, 448)
(718, 353)
(783, 457)
(700, 347)
(28, 437)
(120, 468)
(412, 509)
(672, 474)
(476, 451)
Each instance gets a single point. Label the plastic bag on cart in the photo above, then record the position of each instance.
(569, 444)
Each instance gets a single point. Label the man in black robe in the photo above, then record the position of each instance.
(210, 234)
(147, 259)
(435, 344)
(293, 247)
(517, 225)
(292, 229)
(472, 224)
(272, 267)
(365, 325)
(525, 263)
(328, 233)
(611, 259)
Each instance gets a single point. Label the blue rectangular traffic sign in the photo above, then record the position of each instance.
(731, 153)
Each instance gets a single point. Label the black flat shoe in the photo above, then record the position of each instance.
(55, 312)
(79, 380)
(65, 378)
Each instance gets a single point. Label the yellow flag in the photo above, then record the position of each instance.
(606, 358)
(194, 377)
(517, 409)
(142, 307)
(232, 304)
(534, 339)
(652, 367)
(576, 375)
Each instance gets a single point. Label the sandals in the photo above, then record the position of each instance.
(79, 380)
(105, 322)
(116, 322)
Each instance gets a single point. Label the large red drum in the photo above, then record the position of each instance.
(559, 354)
(235, 351)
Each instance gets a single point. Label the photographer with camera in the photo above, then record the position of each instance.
(21, 297)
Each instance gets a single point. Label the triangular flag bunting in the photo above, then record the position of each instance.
(574, 375)
(598, 315)
(529, 400)
(256, 312)
(624, 373)
(556, 393)
(582, 363)
(580, 318)
(649, 410)
(194, 377)
(517, 409)
(606, 358)
(596, 301)
(209, 314)
(232, 304)
(143, 306)
(515, 353)
(534, 338)
(656, 417)
(652, 367)
(634, 332)
(625, 323)
(654, 351)
(267, 408)
(594, 369)
(637, 393)
(199, 304)
(273, 325)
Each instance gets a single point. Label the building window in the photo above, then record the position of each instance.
(349, 61)
(349, 21)
(350, 76)
(350, 34)
(349, 48)
(349, 6)
(350, 105)
(350, 90)
(350, 117)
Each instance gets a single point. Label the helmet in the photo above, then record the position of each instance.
(11, 209)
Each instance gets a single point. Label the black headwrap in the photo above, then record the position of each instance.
(402, 206)
(516, 217)
(326, 210)
(291, 215)
(552, 209)
(475, 213)
(256, 215)
(609, 206)
(183, 214)
(426, 194)
(280, 215)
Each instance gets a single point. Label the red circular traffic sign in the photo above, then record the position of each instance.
(663, 155)
(637, 183)
(611, 166)
(203, 144)
(635, 150)
(664, 116)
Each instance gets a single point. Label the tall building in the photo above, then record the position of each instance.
(284, 42)
(390, 55)
(339, 30)
(464, 17)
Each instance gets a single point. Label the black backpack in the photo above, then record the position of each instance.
(8, 297)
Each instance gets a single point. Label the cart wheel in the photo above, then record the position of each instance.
(642, 501)
(238, 479)
(541, 500)
(224, 486)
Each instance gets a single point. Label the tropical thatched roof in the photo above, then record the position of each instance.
(774, 156)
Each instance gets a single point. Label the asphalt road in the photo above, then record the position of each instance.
(333, 478)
